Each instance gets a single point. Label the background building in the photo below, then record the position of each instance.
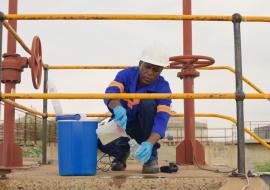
(263, 132)
(176, 129)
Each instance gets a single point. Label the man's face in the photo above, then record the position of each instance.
(148, 73)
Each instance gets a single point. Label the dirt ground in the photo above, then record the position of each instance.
(187, 178)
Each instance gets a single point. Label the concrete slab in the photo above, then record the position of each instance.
(46, 177)
(35, 177)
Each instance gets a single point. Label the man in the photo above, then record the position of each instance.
(144, 120)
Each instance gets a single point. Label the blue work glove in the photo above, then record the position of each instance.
(144, 152)
(120, 115)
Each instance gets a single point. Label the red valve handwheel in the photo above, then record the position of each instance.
(190, 61)
(35, 62)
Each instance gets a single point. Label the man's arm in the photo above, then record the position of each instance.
(116, 86)
(154, 138)
(162, 115)
(115, 107)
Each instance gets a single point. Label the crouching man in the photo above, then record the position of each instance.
(144, 120)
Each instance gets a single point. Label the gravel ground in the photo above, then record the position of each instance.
(46, 177)
(187, 178)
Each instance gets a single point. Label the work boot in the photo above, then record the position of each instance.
(150, 167)
(118, 165)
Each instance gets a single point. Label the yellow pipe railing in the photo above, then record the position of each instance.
(172, 114)
(20, 41)
(130, 17)
(141, 96)
(23, 107)
(131, 95)
(88, 115)
(17, 37)
(88, 67)
(261, 141)
(125, 66)
(93, 67)
(265, 144)
(108, 114)
(233, 71)
(196, 115)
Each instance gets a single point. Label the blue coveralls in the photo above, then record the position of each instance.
(143, 116)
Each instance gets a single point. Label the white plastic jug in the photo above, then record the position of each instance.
(110, 131)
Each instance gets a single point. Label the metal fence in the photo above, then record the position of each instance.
(204, 135)
(261, 128)
(28, 129)
(222, 135)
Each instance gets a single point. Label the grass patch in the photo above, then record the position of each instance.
(262, 167)
(32, 151)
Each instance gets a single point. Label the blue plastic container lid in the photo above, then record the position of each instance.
(68, 117)
(74, 117)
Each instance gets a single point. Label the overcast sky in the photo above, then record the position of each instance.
(121, 42)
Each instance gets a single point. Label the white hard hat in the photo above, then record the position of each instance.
(155, 54)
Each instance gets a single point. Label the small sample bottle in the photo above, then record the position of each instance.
(134, 146)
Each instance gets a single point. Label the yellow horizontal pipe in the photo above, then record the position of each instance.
(88, 115)
(261, 141)
(130, 17)
(116, 96)
(17, 37)
(255, 19)
(233, 71)
(113, 17)
(196, 115)
(125, 66)
(88, 67)
(172, 115)
(265, 144)
(131, 95)
(94, 67)
(23, 107)
(209, 115)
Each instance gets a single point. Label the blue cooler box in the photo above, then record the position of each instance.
(77, 147)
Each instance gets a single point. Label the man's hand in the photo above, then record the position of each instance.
(144, 152)
(120, 115)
